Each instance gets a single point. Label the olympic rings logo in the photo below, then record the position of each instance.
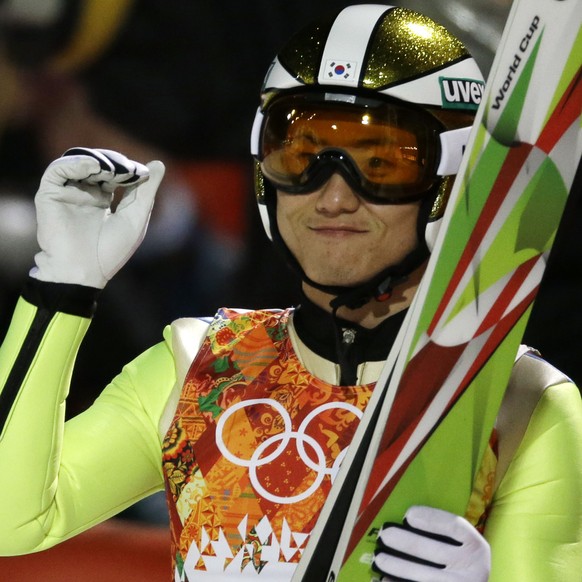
(283, 439)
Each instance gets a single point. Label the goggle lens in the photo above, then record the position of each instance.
(392, 150)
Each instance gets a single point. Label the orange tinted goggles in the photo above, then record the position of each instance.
(388, 152)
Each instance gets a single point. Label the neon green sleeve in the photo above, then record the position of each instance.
(58, 479)
(535, 526)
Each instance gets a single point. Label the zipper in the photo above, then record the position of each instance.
(348, 336)
(348, 366)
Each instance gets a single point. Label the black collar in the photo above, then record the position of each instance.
(342, 341)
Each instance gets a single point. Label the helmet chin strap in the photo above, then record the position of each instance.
(378, 288)
(356, 297)
(381, 285)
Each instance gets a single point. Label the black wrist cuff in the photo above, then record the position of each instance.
(63, 297)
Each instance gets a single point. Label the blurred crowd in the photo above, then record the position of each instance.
(179, 81)
(173, 81)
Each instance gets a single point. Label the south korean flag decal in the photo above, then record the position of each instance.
(346, 47)
(337, 70)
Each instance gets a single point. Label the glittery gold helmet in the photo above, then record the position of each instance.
(370, 74)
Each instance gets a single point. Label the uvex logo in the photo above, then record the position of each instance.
(461, 93)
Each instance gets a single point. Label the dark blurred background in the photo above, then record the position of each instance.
(179, 81)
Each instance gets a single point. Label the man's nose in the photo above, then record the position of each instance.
(336, 197)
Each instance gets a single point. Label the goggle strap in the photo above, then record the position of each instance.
(453, 145)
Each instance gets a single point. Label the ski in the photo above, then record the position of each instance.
(425, 430)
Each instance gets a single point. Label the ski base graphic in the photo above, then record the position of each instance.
(462, 333)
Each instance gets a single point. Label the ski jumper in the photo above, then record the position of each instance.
(247, 440)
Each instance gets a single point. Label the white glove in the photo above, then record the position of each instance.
(82, 241)
(432, 546)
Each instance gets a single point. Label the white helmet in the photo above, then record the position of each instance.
(374, 68)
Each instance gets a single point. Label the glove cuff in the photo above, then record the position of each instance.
(67, 298)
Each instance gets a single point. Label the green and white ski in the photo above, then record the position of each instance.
(431, 416)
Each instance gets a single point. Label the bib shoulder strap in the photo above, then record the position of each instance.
(529, 379)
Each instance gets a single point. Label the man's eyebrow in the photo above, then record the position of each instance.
(374, 141)
(314, 137)
(310, 136)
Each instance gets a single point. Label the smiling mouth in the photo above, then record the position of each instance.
(337, 230)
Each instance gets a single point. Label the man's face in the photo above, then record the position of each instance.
(340, 238)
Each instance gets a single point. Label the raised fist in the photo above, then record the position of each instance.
(83, 240)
